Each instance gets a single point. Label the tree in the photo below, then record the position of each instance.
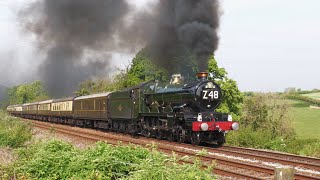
(269, 112)
(25, 93)
(142, 69)
(232, 97)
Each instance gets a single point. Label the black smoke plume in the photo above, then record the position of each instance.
(172, 31)
(65, 30)
(184, 28)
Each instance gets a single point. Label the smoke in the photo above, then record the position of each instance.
(184, 28)
(66, 30)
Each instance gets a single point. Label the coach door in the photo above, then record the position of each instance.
(103, 108)
(135, 103)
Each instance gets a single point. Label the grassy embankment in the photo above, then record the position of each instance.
(306, 120)
(56, 159)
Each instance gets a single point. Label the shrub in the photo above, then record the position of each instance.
(13, 131)
(268, 113)
(60, 160)
(311, 149)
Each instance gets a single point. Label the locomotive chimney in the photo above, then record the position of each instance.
(202, 76)
(176, 79)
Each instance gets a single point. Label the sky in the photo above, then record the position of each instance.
(265, 45)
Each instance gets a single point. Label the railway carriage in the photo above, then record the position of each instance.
(92, 109)
(10, 109)
(62, 110)
(44, 109)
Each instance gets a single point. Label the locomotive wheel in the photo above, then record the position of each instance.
(220, 143)
(181, 135)
(159, 134)
(220, 139)
(170, 136)
(195, 138)
(146, 133)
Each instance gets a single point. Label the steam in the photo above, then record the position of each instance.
(172, 30)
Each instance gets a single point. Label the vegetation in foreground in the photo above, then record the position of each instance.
(59, 160)
(13, 132)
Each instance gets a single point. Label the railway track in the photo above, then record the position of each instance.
(226, 167)
(303, 162)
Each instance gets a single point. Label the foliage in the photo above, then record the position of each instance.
(247, 137)
(13, 132)
(161, 167)
(25, 93)
(232, 96)
(92, 87)
(142, 70)
(60, 160)
(311, 149)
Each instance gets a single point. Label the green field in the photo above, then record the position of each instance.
(313, 95)
(306, 120)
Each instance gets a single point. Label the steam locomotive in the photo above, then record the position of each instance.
(176, 111)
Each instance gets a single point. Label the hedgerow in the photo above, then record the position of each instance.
(60, 160)
(306, 99)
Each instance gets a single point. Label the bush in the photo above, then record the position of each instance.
(267, 113)
(60, 160)
(261, 139)
(312, 149)
(13, 131)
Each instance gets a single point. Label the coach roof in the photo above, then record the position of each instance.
(93, 96)
(63, 99)
(46, 101)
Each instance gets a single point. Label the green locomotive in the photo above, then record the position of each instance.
(175, 111)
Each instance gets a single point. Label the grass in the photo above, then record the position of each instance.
(313, 95)
(306, 120)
